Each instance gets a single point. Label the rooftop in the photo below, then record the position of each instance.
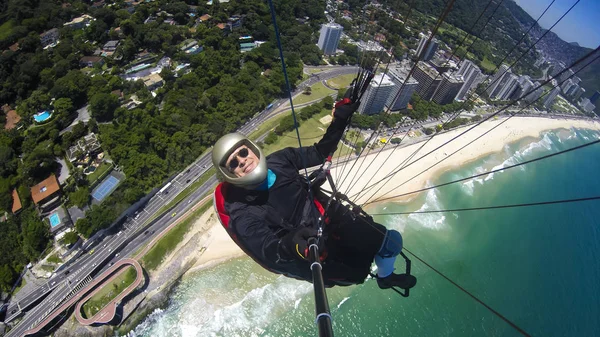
(92, 59)
(16, 201)
(152, 79)
(44, 189)
(12, 119)
(111, 44)
(428, 69)
(381, 80)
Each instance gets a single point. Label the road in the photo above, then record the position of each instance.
(135, 233)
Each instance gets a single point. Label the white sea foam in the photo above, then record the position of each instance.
(469, 187)
(246, 317)
(429, 220)
(342, 302)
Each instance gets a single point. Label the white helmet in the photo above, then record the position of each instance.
(223, 149)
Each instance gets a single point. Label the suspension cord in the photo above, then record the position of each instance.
(467, 209)
(492, 310)
(487, 173)
(339, 176)
(454, 283)
(468, 100)
(351, 185)
(576, 63)
(439, 22)
(289, 89)
(476, 139)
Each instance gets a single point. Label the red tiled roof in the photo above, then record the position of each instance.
(44, 189)
(16, 201)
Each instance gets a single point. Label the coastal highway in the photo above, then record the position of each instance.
(133, 236)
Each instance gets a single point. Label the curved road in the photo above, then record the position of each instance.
(136, 230)
(77, 296)
(107, 313)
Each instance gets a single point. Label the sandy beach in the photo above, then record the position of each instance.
(219, 247)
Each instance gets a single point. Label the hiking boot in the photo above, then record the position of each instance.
(403, 281)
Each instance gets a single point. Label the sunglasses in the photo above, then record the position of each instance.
(234, 163)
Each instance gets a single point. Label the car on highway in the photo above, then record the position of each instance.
(117, 254)
(68, 271)
(204, 166)
(189, 201)
(92, 251)
(187, 180)
(174, 214)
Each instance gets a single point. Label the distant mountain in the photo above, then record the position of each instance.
(555, 49)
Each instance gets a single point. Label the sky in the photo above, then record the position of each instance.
(581, 25)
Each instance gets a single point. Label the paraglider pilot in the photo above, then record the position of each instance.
(264, 203)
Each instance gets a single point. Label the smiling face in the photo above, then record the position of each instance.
(242, 161)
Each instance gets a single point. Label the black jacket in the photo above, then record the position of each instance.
(260, 218)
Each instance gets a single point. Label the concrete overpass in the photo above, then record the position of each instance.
(107, 313)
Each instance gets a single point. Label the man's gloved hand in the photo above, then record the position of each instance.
(295, 244)
(345, 111)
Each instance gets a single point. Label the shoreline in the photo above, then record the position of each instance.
(220, 248)
(207, 244)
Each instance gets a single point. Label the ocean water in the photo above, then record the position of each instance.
(538, 266)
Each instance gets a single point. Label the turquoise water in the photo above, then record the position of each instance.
(539, 266)
(42, 116)
(54, 220)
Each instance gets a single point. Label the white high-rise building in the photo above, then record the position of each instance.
(566, 86)
(471, 75)
(448, 89)
(587, 105)
(400, 96)
(549, 99)
(577, 95)
(497, 80)
(377, 94)
(524, 86)
(426, 52)
(329, 38)
(508, 88)
(535, 95)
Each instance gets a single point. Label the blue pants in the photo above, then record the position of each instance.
(390, 248)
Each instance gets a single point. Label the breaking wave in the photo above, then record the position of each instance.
(248, 316)
(430, 220)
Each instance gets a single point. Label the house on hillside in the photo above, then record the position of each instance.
(191, 47)
(46, 194)
(82, 152)
(17, 206)
(110, 46)
(153, 81)
(79, 22)
(49, 37)
(90, 61)
(234, 22)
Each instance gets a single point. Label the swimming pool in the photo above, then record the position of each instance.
(54, 220)
(42, 116)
